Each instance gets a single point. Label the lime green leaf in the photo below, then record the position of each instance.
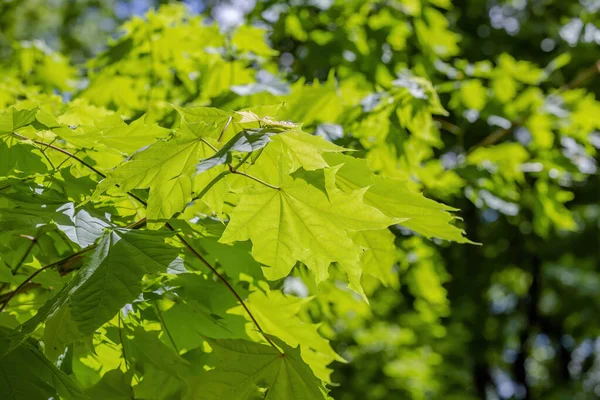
(252, 39)
(113, 133)
(301, 221)
(395, 199)
(379, 254)
(165, 167)
(277, 315)
(14, 119)
(473, 94)
(313, 103)
(304, 150)
(203, 121)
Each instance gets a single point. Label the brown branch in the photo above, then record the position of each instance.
(499, 134)
(582, 77)
(24, 257)
(495, 136)
(24, 289)
(33, 242)
(447, 125)
(66, 265)
(26, 281)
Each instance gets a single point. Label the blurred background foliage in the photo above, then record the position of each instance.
(489, 106)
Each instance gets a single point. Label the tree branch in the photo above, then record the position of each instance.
(170, 227)
(164, 325)
(24, 257)
(65, 152)
(579, 80)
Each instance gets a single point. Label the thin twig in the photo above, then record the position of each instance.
(447, 125)
(122, 342)
(235, 167)
(213, 148)
(67, 159)
(224, 129)
(210, 185)
(499, 134)
(253, 178)
(4, 297)
(227, 284)
(65, 152)
(33, 241)
(495, 136)
(164, 325)
(18, 289)
(47, 158)
(582, 77)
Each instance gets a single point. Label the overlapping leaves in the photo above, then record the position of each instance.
(294, 196)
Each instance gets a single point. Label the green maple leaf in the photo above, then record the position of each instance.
(19, 159)
(302, 221)
(113, 274)
(305, 150)
(114, 385)
(14, 119)
(277, 315)
(245, 370)
(114, 134)
(203, 121)
(36, 206)
(394, 198)
(59, 331)
(379, 255)
(26, 374)
(110, 278)
(246, 141)
(203, 312)
(166, 168)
